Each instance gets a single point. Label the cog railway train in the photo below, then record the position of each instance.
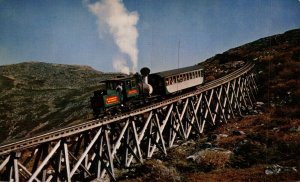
(129, 92)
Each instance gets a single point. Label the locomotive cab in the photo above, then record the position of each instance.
(118, 91)
(125, 88)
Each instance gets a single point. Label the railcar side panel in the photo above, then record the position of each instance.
(172, 88)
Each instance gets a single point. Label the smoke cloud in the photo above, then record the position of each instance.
(120, 64)
(115, 19)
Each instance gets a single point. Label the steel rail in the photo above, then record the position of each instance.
(91, 124)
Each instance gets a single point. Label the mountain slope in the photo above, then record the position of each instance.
(37, 96)
(278, 64)
(262, 147)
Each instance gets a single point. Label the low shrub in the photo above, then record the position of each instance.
(212, 159)
(155, 170)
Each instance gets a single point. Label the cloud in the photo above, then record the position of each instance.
(115, 19)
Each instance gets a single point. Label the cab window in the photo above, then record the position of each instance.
(128, 84)
(133, 84)
(110, 85)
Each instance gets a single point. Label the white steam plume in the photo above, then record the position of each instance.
(113, 17)
(120, 64)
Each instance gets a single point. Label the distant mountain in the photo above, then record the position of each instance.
(36, 96)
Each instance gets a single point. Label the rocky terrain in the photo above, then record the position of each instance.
(36, 97)
(264, 146)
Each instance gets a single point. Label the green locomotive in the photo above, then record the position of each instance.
(134, 91)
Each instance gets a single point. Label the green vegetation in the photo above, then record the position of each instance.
(37, 97)
(6, 83)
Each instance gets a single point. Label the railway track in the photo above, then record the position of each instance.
(95, 123)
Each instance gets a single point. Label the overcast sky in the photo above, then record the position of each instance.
(155, 33)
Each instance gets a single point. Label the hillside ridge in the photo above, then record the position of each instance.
(38, 96)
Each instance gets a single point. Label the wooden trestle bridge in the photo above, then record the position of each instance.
(95, 148)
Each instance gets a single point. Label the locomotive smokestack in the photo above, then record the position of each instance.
(145, 72)
(145, 86)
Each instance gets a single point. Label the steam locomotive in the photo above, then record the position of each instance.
(130, 92)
